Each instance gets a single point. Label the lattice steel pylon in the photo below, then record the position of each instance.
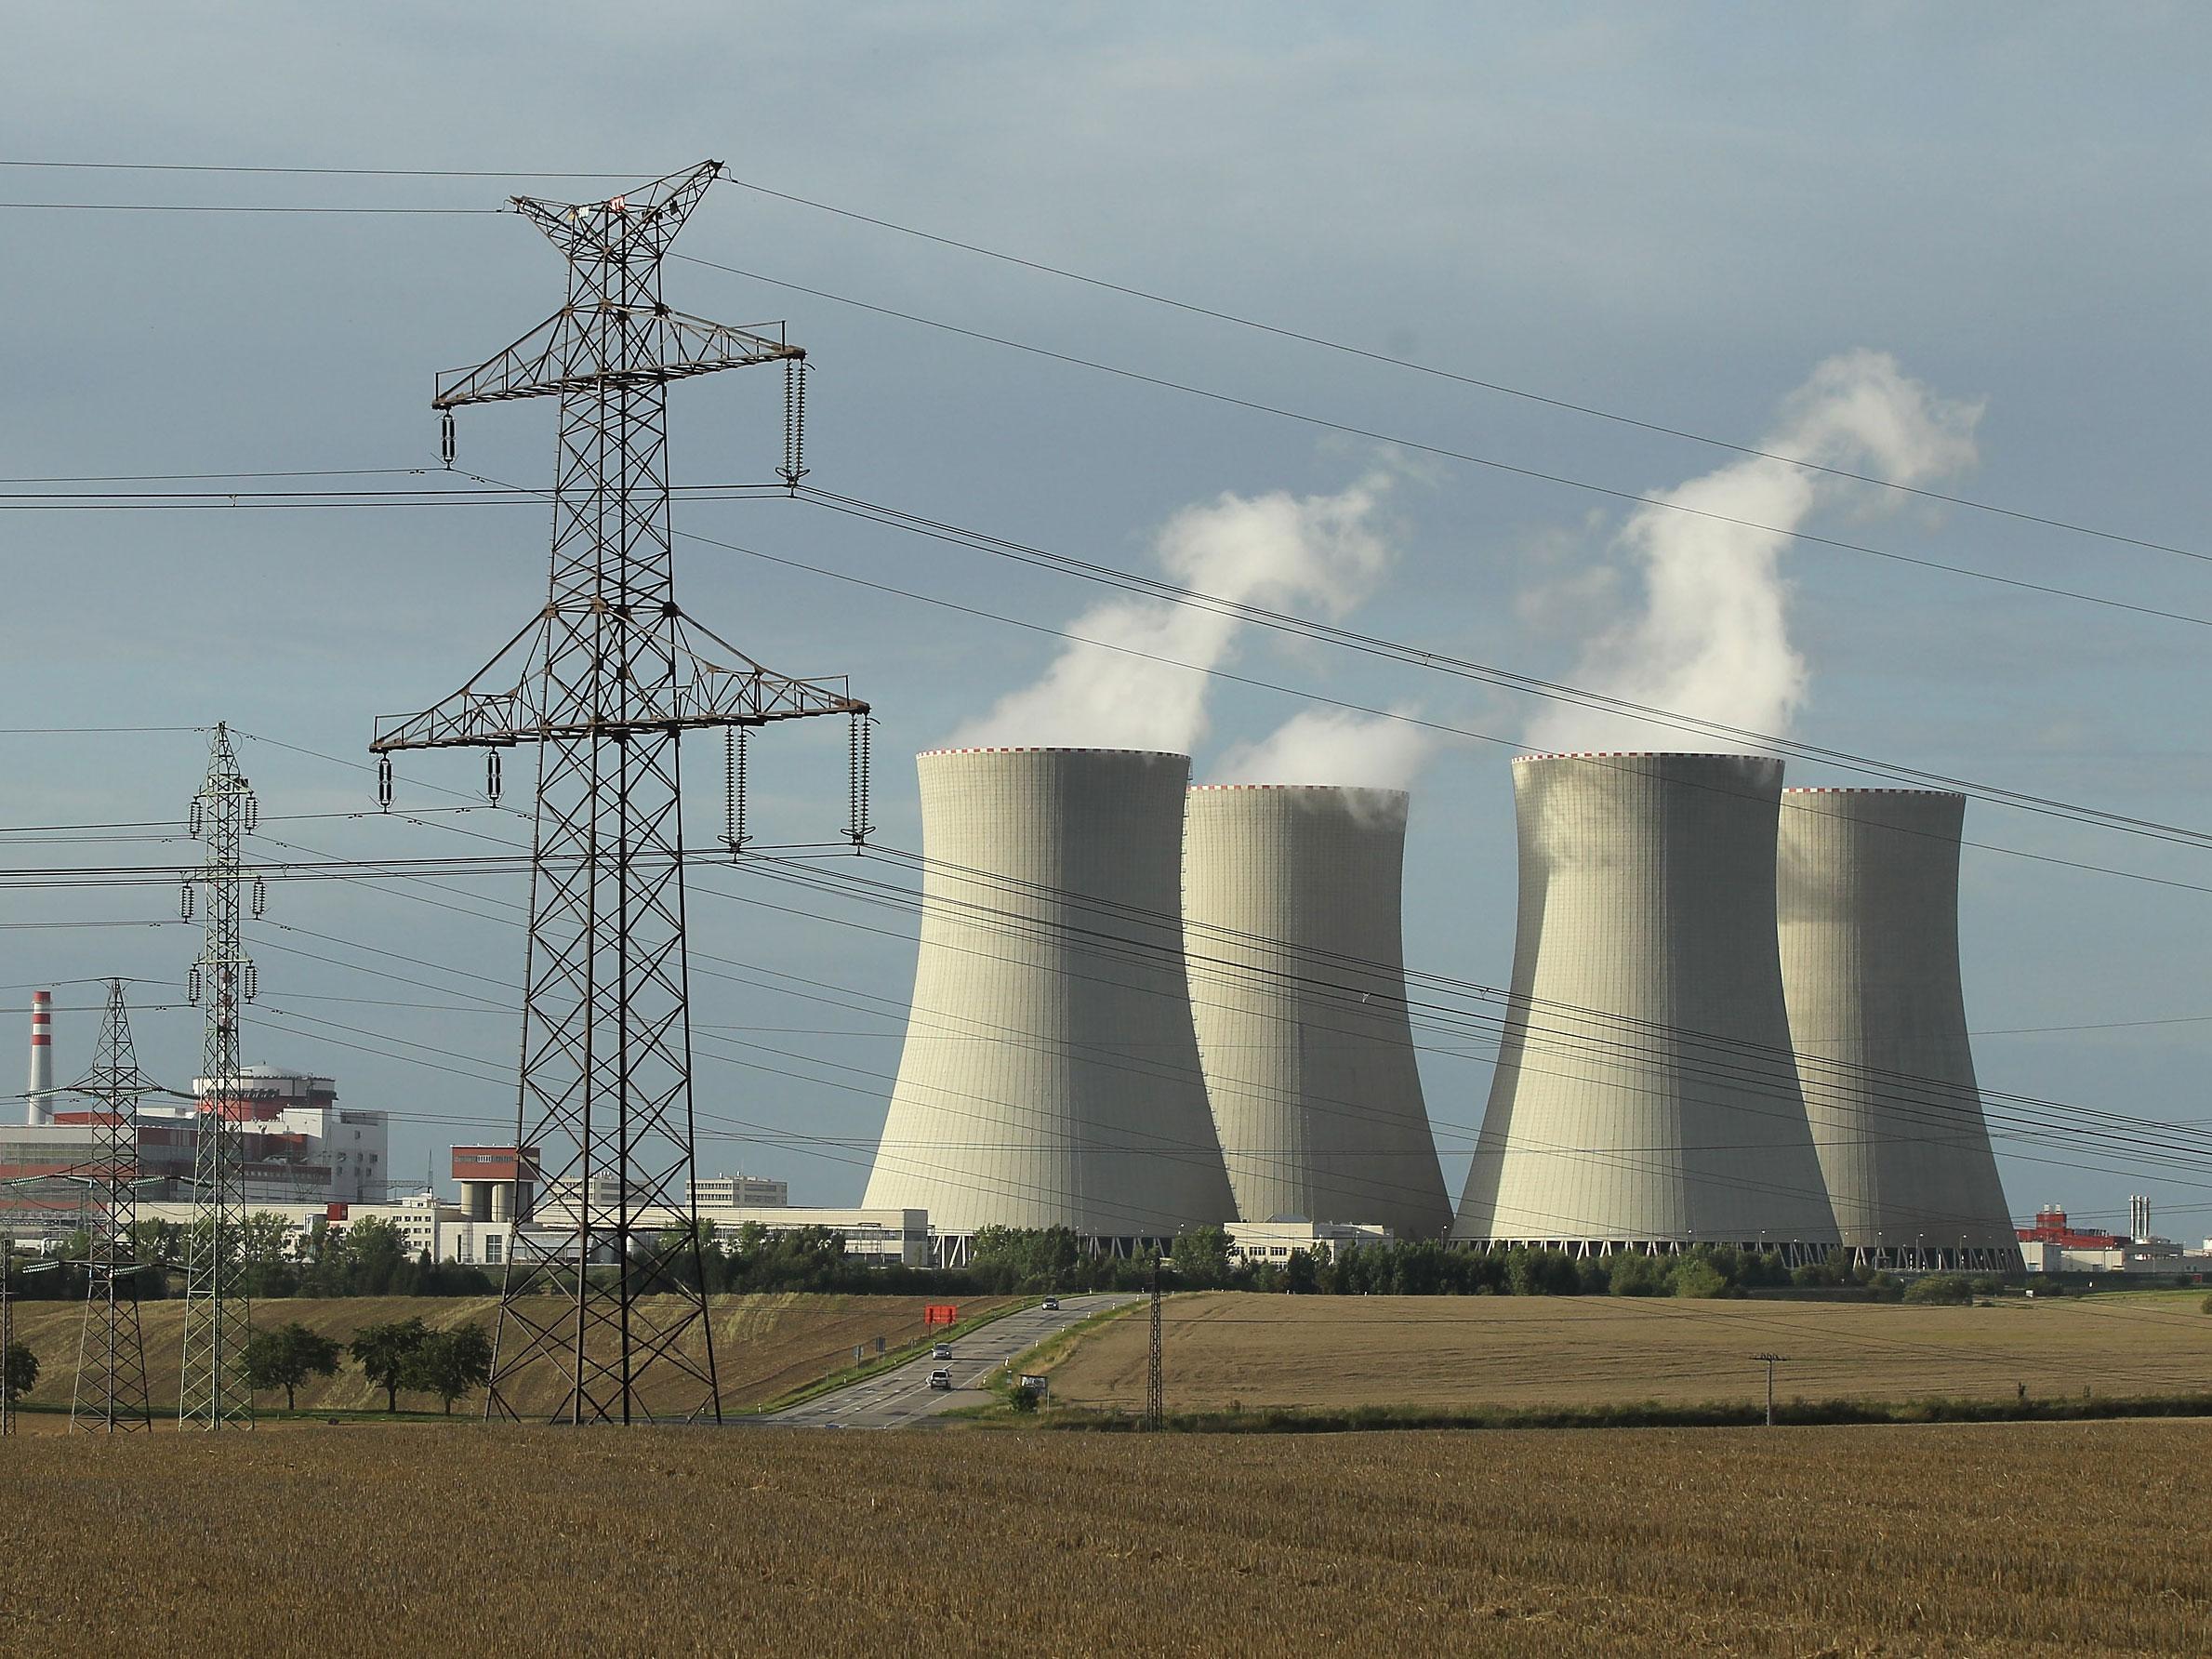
(603, 680)
(111, 1390)
(217, 1318)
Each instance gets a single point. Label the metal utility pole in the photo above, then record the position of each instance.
(602, 681)
(217, 1318)
(8, 1332)
(1772, 1361)
(1155, 1399)
(111, 1392)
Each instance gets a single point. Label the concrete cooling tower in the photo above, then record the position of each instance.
(1866, 897)
(1645, 1097)
(1051, 1074)
(1298, 990)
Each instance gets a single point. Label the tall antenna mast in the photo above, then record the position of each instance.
(111, 1392)
(603, 681)
(217, 1316)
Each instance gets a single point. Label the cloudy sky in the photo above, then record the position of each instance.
(1677, 214)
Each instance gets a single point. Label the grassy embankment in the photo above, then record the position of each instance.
(765, 1346)
(2045, 1542)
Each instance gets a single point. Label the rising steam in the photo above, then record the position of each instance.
(1713, 641)
(1313, 553)
(1331, 746)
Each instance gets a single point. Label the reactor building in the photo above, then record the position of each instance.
(1051, 1074)
(1646, 1097)
(1866, 903)
(1291, 921)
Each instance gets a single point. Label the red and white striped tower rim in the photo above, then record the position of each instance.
(1163, 754)
(42, 1019)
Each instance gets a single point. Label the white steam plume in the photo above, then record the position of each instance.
(1713, 639)
(1279, 551)
(1332, 745)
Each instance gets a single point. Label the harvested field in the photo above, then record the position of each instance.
(1225, 1348)
(765, 1345)
(1794, 1542)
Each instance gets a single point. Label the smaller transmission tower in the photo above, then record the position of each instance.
(217, 1316)
(111, 1392)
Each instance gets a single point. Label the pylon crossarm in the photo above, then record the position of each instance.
(635, 226)
(568, 352)
(697, 692)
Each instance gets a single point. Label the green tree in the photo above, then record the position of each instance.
(1299, 1277)
(287, 1357)
(382, 1351)
(1202, 1257)
(377, 1252)
(449, 1364)
(19, 1372)
(1635, 1275)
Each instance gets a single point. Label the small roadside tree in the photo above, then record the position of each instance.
(287, 1357)
(449, 1364)
(19, 1372)
(382, 1352)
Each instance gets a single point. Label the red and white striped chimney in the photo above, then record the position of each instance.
(40, 1094)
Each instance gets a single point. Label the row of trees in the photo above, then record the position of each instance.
(368, 1257)
(401, 1354)
(405, 1354)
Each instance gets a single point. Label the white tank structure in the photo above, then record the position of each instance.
(1646, 1098)
(1291, 920)
(1051, 1075)
(1866, 901)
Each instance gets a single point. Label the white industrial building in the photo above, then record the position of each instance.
(1051, 1073)
(448, 1233)
(1270, 1243)
(1291, 921)
(1645, 1097)
(1867, 912)
(295, 1144)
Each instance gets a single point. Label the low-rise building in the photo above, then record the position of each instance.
(1264, 1244)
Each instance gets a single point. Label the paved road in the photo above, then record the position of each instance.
(902, 1398)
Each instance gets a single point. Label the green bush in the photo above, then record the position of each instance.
(1637, 1276)
(1693, 1277)
(1942, 1290)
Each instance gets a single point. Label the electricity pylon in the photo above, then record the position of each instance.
(217, 1318)
(603, 681)
(111, 1392)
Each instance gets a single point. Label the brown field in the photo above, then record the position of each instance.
(763, 1346)
(1225, 1347)
(2020, 1540)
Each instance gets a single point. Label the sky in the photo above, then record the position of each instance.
(1675, 214)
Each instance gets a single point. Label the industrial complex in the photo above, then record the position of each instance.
(1735, 1018)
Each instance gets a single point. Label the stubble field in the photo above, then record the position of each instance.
(2020, 1540)
(1224, 1349)
(765, 1345)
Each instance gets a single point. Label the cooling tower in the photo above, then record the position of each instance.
(1645, 1096)
(1051, 1075)
(1866, 898)
(1298, 991)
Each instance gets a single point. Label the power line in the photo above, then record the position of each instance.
(1444, 452)
(229, 207)
(178, 166)
(1391, 360)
